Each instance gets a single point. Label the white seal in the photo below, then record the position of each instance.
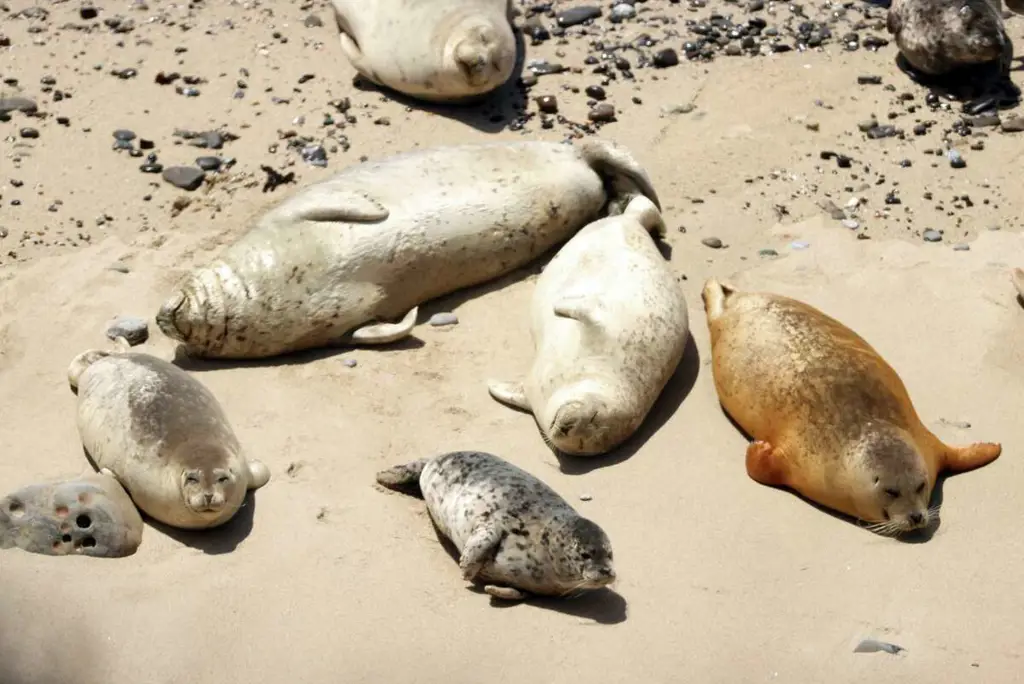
(609, 324)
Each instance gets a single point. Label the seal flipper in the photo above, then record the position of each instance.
(326, 203)
(960, 459)
(259, 474)
(402, 476)
(510, 393)
(583, 308)
(714, 296)
(385, 333)
(620, 171)
(647, 215)
(505, 593)
(766, 464)
(480, 548)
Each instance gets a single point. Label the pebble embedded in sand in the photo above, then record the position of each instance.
(932, 236)
(602, 113)
(441, 319)
(712, 242)
(131, 328)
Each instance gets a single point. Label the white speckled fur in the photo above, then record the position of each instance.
(596, 375)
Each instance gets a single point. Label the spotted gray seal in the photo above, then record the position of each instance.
(514, 533)
(163, 436)
(434, 50)
(341, 260)
(609, 323)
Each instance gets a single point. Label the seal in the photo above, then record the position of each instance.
(937, 37)
(163, 436)
(514, 534)
(433, 50)
(830, 418)
(341, 260)
(609, 324)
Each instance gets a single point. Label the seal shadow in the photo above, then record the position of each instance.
(671, 398)
(489, 113)
(603, 606)
(221, 539)
(979, 87)
(200, 365)
(915, 537)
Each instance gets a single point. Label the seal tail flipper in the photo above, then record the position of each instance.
(621, 171)
(385, 333)
(961, 459)
(647, 215)
(80, 363)
(766, 464)
(714, 296)
(1018, 281)
(259, 474)
(402, 476)
(509, 393)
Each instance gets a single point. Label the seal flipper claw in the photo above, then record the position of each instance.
(480, 548)
(505, 593)
(961, 459)
(510, 393)
(766, 465)
(402, 475)
(259, 474)
(385, 333)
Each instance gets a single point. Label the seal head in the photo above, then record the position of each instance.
(895, 485)
(585, 561)
(581, 420)
(481, 55)
(208, 484)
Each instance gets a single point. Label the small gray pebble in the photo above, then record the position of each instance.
(3, 232)
(768, 252)
(439, 319)
(961, 247)
(585, 497)
(184, 177)
(135, 330)
(351, 363)
(874, 646)
(850, 223)
(621, 12)
(712, 242)
(932, 236)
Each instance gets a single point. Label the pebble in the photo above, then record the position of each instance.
(578, 15)
(586, 497)
(602, 113)
(184, 177)
(932, 236)
(316, 155)
(799, 245)
(768, 252)
(88, 12)
(440, 319)
(712, 242)
(596, 92)
(874, 646)
(852, 224)
(961, 247)
(208, 163)
(313, 21)
(547, 104)
(956, 160)
(124, 135)
(151, 167)
(133, 329)
(351, 363)
(18, 104)
(1015, 124)
(29, 133)
(666, 58)
(622, 12)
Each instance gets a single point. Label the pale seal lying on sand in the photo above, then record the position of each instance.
(936, 37)
(434, 50)
(609, 324)
(163, 436)
(831, 419)
(514, 533)
(337, 260)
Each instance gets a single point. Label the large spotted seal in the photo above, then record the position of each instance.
(341, 259)
(434, 50)
(937, 37)
(609, 324)
(830, 418)
(163, 436)
(513, 532)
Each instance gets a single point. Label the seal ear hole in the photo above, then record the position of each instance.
(83, 521)
(88, 542)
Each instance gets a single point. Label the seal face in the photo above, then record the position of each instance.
(937, 37)
(831, 419)
(163, 436)
(609, 324)
(434, 50)
(514, 533)
(349, 259)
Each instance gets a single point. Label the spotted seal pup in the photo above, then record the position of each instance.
(514, 533)
(341, 260)
(163, 436)
(610, 324)
(830, 418)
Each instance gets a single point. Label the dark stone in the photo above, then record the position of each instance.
(151, 167)
(88, 13)
(578, 15)
(602, 113)
(17, 104)
(134, 330)
(124, 134)
(30, 133)
(184, 177)
(596, 92)
(547, 104)
(665, 58)
(208, 163)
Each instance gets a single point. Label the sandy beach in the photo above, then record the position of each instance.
(324, 577)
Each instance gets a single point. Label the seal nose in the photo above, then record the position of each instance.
(916, 518)
(208, 498)
(166, 317)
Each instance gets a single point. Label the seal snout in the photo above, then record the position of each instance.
(482, 59)
(172, 317)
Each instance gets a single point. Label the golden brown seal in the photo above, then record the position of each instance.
(831, 419)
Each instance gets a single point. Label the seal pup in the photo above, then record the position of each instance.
(452, 51)
(938, 37)
(609, 323)
(514, 534)
(340, 260)
(163, 436)
(830, 418)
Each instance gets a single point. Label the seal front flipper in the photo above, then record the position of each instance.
(403, 475)
(714, 296)
(766, 464)
(259, 474)
(328, 203)
(583, 308)
(960, 459)
(479, 549)
(505, 593)
(510, 393)
(385, 333)
(644, 212)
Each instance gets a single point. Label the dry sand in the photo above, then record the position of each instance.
(326, 579)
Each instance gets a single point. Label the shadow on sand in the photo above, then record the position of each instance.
(980, 87)
(219, 540)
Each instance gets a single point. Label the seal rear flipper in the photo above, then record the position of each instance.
(620, 171)
(402, 476)
(714, 296)
(81, 362)
(505, 593)
(385, 333)
(961, 459)
(480, 548)
(510, 393)
(767, 465)
(259, 474)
